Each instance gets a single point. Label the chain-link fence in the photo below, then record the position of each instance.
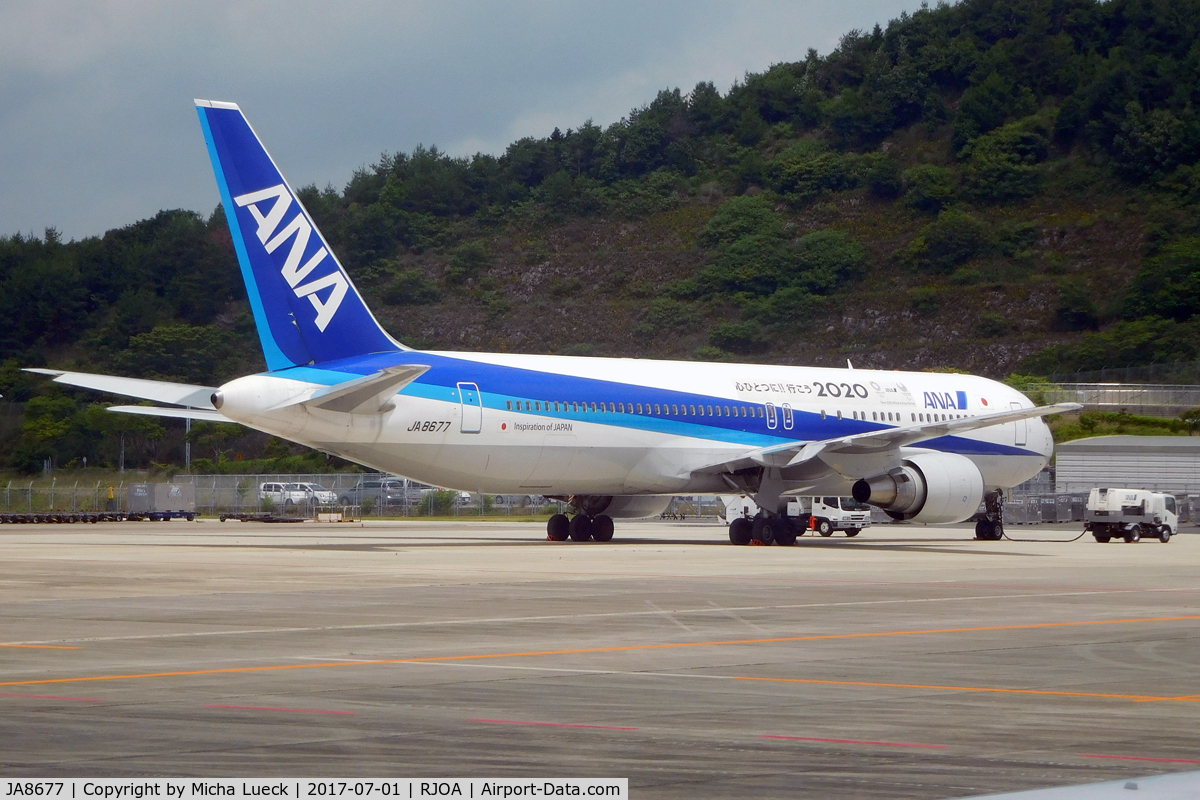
(27, 496)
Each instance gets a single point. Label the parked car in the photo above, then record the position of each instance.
(318, 493)
(388, 491)
(283, 494)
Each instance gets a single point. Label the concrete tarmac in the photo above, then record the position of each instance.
(908, 662)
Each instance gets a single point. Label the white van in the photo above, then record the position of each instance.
(1130, 514)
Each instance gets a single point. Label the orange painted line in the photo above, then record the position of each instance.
(41, 646)
(992, 689)
(588, 650)
(1144, 758)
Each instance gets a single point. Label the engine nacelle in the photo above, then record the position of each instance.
(928, 487)
(623, 506)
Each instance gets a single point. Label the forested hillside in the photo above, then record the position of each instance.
(997, 186)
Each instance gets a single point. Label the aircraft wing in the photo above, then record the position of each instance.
(180, 394)
(877, 445)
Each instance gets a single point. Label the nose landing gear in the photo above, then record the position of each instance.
(991, 527)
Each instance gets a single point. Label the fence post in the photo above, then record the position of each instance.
(52, 482)
(31, 495)
(74, 504)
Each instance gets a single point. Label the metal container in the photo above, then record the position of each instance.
(159, 497)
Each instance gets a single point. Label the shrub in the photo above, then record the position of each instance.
(884, 177)
(436, 503)
(739, 337)
(829, 258)
(929, 187)
(805, 179)
(989, 325)
(793, 306)
(1003, 163)
(955, 237)
(742, 216)
(411, 287)
(1076, 310)
(1168, 285)
(925, 300)
(468, 261)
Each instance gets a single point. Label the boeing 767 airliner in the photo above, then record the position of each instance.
(613, 437)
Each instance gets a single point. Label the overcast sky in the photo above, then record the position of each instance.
(98, 129)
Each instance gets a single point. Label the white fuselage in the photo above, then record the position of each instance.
(505, 423)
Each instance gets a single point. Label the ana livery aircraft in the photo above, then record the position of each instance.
(613, 437)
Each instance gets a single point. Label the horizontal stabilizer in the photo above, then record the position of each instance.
(368, 395)
(180, 394)
(174, 413)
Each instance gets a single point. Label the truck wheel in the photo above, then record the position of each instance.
(1101, 538)
(825, 527)
(1134, 534)
(1164, 534)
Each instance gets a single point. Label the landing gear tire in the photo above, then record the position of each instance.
(739, 531)
(1133, 535)
(825, 527)
(762, 529)
(581, 528)
(1164, 534)
(786, 532)
(602, 528)
(850, 534)
(983, 529)
(558, 528)
(987, 530)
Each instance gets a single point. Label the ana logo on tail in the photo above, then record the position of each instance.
(298, 230)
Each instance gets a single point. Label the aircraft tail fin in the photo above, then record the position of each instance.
(306, 308)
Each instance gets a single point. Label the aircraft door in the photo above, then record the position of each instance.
(1021, 427)
(472, 408)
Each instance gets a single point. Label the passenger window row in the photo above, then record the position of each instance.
(655, 409)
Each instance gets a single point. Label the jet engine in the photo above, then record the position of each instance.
(927, 487)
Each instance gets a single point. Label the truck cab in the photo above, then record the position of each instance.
(829, 514)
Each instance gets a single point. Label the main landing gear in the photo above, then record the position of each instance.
(579, 528)
(991, 527)
(765, 529)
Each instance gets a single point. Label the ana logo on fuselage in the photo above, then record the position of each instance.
(955, 400)
(299, 230)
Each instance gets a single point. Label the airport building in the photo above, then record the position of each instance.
(1159, 463)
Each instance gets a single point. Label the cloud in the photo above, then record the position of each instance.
(99, 129)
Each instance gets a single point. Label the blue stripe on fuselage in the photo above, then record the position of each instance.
(498, 384)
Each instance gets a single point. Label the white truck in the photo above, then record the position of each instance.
(1130, 514)
(821, 514)
(829, 514)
